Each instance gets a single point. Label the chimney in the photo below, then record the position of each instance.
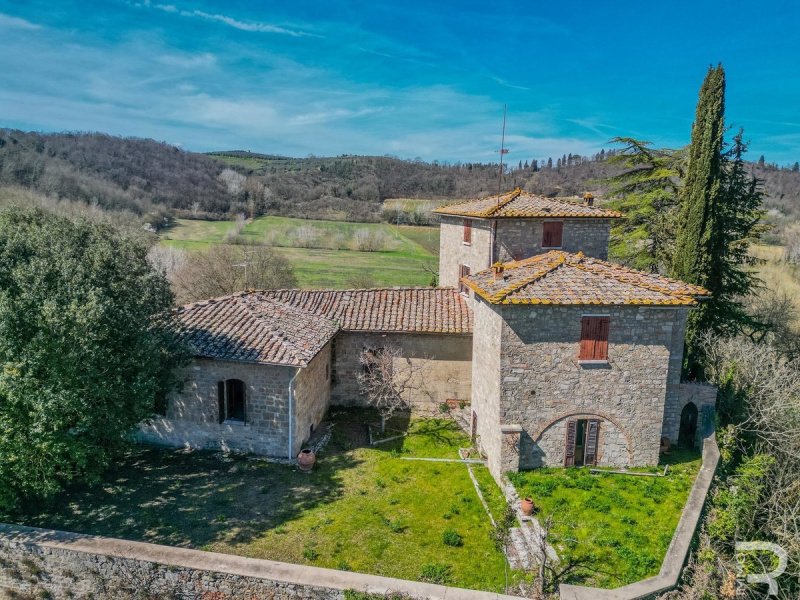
(497, 269)
(588, 199)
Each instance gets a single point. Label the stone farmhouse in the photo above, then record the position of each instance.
(561, 357)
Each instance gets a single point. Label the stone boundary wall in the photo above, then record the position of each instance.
(678, 550)
(60, 565)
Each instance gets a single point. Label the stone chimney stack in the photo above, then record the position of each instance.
(588, 199)
(497, 269)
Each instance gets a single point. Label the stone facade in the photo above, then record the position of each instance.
(521, 238)
(446, 361)
(703, 396)
(511, 239)
(539, 383)
(453, 252)
(192, 418)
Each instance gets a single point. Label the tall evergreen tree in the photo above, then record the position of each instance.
(718, 217)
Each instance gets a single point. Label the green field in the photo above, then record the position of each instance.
(335, 254)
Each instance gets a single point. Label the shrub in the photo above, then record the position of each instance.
(435, 573)
(450, 537)
(309, 553)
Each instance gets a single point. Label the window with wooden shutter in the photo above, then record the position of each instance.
(467, 231)
(552, 233)
(590, 448)
(569, 449)
(594, 338)
(463, 271)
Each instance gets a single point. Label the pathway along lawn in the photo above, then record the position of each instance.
(361, 509)
(617, 526)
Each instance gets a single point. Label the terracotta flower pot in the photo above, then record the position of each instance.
(306, 459)
(526, 505)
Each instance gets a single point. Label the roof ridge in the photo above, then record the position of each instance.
(512, 195)
(613, 271)
(547, 267)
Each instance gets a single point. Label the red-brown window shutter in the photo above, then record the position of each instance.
(569, 446)
(594, 338)
(467, 231)
(590, 451)
(463, 271)
(552, 233)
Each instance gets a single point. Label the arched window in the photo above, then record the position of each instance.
(231, 398)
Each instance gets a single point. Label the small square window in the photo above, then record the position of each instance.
(552, 234)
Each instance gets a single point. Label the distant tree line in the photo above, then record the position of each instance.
(158, 181)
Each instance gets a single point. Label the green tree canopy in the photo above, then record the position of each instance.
(647, 194)
(86, 349)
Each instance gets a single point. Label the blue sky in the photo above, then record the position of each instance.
(413, 79)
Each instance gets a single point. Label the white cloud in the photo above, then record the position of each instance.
(252, 26)
(17, 23)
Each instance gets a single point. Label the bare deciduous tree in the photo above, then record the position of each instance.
(388, 378)
(222, 270)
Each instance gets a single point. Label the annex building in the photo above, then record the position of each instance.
(560, 357)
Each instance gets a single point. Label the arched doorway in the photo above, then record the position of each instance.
(688, 430)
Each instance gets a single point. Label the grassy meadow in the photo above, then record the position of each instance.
(363, 509)
(777, 274)
(617, 526)
(326, 254)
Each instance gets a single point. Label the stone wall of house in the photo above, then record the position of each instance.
(42, 563)
(704, 397)
(454, 252)
(486, 385)
(522, 238)
(312, 396)
(542, 383)
(192, 418)
(445, 359)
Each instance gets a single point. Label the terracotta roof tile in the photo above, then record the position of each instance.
(260, 330)
(518, 204)
(411, 310)
(562, 278)
(289, 327)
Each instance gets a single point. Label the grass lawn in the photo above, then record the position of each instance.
(619, 526)
(362, 509)
(330, 257)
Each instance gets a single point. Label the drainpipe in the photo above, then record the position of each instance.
(291, 411)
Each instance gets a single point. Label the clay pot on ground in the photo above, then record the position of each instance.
(306, 459)
(527, 506)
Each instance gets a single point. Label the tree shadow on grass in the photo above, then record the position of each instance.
(193, 498)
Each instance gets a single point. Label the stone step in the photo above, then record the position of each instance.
(518, 552)
(532, 531)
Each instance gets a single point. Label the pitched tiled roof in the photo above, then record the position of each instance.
(411, 310)
(562, 278)
(518, 204)
(289, 327)
(244, 328)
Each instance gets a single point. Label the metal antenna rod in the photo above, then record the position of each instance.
(503, 150)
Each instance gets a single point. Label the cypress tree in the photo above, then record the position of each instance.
(702, 185)
(718, 217)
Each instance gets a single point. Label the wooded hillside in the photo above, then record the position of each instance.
(156, 180)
